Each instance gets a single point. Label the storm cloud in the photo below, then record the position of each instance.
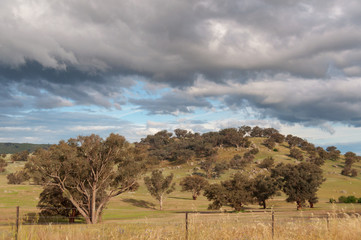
(299, 62)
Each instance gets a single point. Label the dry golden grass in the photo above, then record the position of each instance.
(208, 227)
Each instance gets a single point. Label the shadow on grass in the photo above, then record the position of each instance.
(140, 203)
(183, 198)
(36, 219)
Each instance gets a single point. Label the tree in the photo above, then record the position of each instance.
(245, 130)
(256, 132)
(269, 143)
(159, 186)
(294, 141)
(354, 173)
(194, 184)
(322, 153)
(53, 203)
(234, 192)
(268, 163)
(299, 182)
(249, 156)
(312, 200)
(263, 188)
(18, 177)
(89, 168)
(219, 169)
(208, 164)
(268, 132)
(350, 159)
(237, 162)
(278, 138)
(231, 137)
(180, 156)
(316, 160)
(21, 156)
(180, 133)
(333, 153)
(296, 153)
(3, 165)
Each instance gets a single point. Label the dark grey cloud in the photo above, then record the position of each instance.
(175, 38)
(67, 53)
(52, 88)
(309, 101)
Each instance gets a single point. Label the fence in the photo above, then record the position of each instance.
(186, 225)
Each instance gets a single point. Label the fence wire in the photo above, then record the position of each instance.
(187, 225)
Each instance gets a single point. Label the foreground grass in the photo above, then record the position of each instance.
(221, 226)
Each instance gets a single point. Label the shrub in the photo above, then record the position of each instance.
(332, 200)
(268, 163)
(17, 177)
(296, 153)
(342, 199)
(254, 151)
(269, 143)
(239, 162)
(3, 164)
(351, 199)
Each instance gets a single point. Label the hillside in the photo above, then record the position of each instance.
(139, 204)
(11, 148)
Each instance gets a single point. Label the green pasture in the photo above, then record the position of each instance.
(140, 205)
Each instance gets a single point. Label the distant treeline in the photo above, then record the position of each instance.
(11, 148)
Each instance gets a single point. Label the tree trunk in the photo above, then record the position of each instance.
(264, 204)
(311, 204)
(93, 215)
(72, 215)
(80, 210)
(161, 203)
(299, 206)
(195, 195)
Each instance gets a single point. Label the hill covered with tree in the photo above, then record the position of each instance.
(10, 148)
(232, 167)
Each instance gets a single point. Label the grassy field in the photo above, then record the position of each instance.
(135, 215)
(220, 226)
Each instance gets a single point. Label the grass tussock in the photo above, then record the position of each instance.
(210, 227)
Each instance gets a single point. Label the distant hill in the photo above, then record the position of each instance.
(11, 148)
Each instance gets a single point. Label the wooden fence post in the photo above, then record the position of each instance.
(273, 224)
(186, 225)
(17, 223)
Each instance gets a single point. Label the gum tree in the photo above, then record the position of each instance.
(299, 182)
(159, 186)
(194, 184)
(89, 171)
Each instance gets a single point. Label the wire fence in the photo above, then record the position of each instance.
(192, 224)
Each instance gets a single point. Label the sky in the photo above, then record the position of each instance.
(77, 67)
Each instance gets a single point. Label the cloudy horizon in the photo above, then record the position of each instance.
(70, 68)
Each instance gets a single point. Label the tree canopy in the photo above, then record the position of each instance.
(159, 186)
(89, 171)
(235, 193)
(299, 182)
(194, 184)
